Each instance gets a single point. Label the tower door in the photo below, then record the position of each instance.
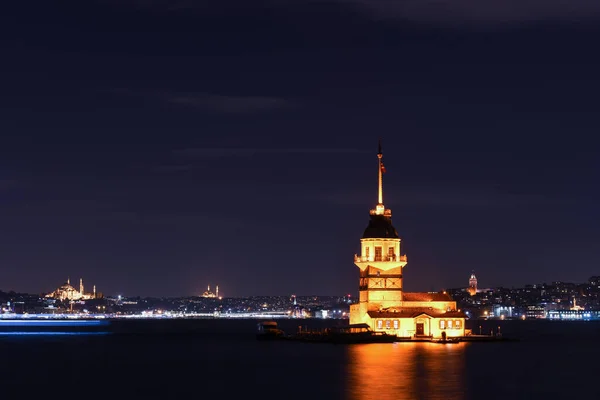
(420, 329)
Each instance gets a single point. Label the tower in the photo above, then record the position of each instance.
(383, 305)
(217, 291)
(81, 286)
(380, 263)
(94, 294)
(472, 284)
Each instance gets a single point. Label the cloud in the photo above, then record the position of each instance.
(216, 103)
(230, 104)
(7, 183)
(442, 196)
(172, 168)
(481, 11)
(210, 152)
(444, 12)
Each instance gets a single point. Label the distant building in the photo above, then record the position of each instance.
(210, 295)
(585, 315)
(383, 304)
(68, 292)
(575, 307)
(535, 312)
(472, 284)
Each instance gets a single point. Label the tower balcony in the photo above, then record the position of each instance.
(383, 211)
(393, 258)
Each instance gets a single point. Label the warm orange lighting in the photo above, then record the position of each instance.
(382, 302)
(404, 371)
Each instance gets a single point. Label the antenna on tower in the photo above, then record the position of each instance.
(379, 209)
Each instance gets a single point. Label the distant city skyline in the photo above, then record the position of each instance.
(153, 149)
(208, 294)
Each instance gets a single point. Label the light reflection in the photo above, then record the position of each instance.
(49, 333)
(406, 371)
(45, 323)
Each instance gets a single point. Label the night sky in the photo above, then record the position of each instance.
(155, 147)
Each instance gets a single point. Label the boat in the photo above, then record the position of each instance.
(268, 330)
(358, 333)
(350, 334)
(452, 340)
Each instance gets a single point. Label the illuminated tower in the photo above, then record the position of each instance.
(94, 291)
(472, 284)
(81, 286)
(217, 292)
(380, 262)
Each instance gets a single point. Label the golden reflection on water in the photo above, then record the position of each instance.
(406, 371)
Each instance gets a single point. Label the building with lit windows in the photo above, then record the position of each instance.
(383, 304)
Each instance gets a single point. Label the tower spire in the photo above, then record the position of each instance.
(380, 185)
(380, 208)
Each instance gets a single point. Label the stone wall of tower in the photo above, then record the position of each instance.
(380, 288)
(358, 314)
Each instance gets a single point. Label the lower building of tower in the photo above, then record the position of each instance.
(416, 315)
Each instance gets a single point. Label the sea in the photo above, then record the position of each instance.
(221, 359)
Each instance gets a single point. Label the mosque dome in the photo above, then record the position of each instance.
(67, 288)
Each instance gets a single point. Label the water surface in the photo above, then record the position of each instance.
(221, 359)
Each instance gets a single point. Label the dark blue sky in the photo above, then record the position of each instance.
(155, 147)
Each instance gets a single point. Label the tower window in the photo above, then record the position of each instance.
(388, 324)
(396, 324)
(457, 324)
(367, 252)
(379, 324)
(391, 253)
(378, 253)
(442, 324)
